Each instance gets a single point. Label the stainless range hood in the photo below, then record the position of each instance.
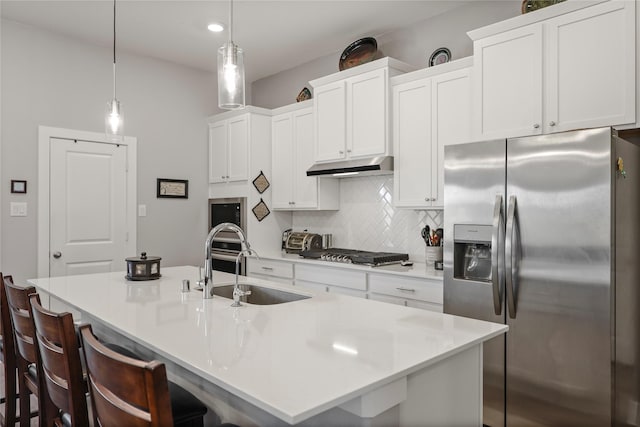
(361, 167)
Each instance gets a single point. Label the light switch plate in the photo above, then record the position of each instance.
(142, 210)
(18, 209)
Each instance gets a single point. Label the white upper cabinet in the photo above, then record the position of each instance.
(351, 111)
(431, 109)
(229, 149)
(508, 89)
(231, 135)
(582, 89)
(218, 152)
(367, 104)
(330, 121)
(549, 76)
(292, 155)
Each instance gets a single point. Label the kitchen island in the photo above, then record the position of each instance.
(325, 360)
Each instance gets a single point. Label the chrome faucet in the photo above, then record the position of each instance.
(207, 289)
(237, 292)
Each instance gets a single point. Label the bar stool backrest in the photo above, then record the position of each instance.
(125, 391)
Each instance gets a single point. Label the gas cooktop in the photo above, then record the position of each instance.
(353, 256)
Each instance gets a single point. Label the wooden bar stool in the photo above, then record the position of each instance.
(28, 356)
(127, 391)
(61, 366)
(8, 356)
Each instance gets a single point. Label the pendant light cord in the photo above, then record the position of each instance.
(114, 49)
(230, 21)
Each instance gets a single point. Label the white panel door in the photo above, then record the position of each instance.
(305, 188)
(583, 90)
(238, 148)
(88, 207)
(367, 114)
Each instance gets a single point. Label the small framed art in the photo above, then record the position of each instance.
(172, 188)
(18, 186)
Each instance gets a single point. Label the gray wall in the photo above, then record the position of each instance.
(52, 80)
(412, 45)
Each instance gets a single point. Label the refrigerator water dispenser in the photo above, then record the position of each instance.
(472, 252)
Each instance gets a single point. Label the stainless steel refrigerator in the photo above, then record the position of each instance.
(542, 233)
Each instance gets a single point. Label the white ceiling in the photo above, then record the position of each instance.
(275, 35)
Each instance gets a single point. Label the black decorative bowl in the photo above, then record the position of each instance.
(357, 53)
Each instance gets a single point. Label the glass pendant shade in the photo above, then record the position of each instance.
(114, 121)
(230, 77)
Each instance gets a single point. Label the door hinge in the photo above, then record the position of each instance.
(126, 236)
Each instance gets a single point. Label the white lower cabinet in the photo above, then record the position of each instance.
(311, 286)
(422, 293)
(267, 269)
(411, 292)
(334, 280)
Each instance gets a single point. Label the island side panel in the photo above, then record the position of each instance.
(446, 393)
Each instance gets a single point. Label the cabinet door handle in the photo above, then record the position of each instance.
(341, 152)
(222, 177)
(426, 199)
(57, 255)
(349, 150)
(406, 289)
(552, 123)
(536, 126)
(267, 268)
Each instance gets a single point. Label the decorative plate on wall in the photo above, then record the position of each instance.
(439, 56)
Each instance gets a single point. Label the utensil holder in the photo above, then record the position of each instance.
(433, 254)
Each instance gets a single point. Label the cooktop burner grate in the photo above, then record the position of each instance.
(355, 256)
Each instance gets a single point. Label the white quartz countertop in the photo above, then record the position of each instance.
(293, 360)
(418, 269)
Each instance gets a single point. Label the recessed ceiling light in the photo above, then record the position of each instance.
(215, 27)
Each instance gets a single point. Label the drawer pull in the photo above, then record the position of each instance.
(267, 268)
(406, 289)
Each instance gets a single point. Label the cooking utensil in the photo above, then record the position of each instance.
(425, 234)
(439, 234)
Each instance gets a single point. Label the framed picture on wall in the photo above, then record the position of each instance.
(18, 186)
(172, 188)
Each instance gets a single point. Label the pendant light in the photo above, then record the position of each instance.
(230, 72)
(114, 119)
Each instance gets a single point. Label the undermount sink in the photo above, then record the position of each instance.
(260, 295)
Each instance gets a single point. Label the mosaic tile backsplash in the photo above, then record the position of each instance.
(368, 221)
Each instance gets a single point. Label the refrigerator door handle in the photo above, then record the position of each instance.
(509, 265)
(497, 255)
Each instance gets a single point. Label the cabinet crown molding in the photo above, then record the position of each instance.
(532, 17)
(236, 113)
(369, 66)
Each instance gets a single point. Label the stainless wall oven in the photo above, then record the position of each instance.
(226, 244)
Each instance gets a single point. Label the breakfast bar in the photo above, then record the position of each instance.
(323, 360)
